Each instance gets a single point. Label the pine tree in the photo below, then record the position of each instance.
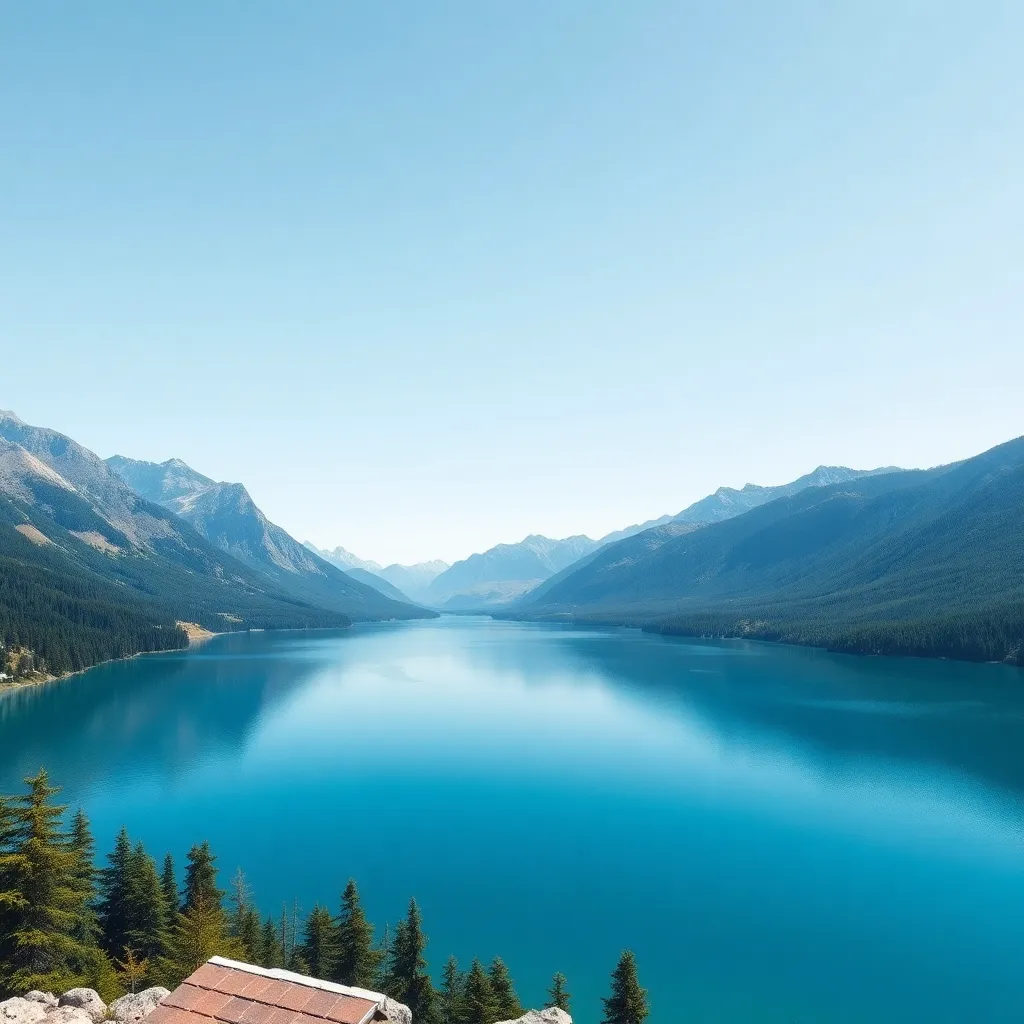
(146, 919)
(244, 921)
(320, 944)
(452, 997)
(201, 877)
(11, 899)
(271, 953)
(50, 903)
(358, 961)
(408, 980)
(509, 1007)
(628, 1001)
(481, 1007)
(557, 994)
(199, 932)
(113, 911)
(84, 847)
(169, 884)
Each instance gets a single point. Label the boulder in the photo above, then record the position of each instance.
(46, 998)
(132, 1008)
(552, 1015)
(21, 1011)
(67, 1015)
(87, 999)
(397, 1013)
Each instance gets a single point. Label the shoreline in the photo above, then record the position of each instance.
(196, 635)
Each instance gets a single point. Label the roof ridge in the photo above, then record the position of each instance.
(280, 974)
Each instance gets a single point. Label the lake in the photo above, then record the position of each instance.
(780, 834)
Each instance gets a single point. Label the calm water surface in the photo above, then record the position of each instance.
(781, 835)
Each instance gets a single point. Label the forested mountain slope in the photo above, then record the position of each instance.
(924, 562)
(76, 587)
(226, 515)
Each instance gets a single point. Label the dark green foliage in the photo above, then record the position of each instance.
(407, 979)
(244, 921)
(480, 1004)
(627, 1003)
(133, 911)
(201, 878)
(271, 953)
(319, 949)
(48, 927)
(47, 903)
(358, 962)
(169, 885)
(917, 563)
(504, 991)
(114, 911)
(84, 847)
(557, 994)
(451, 999)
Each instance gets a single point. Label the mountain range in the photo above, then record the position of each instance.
(226, 515)
(90, 569)
(410, 580)
(915, 562)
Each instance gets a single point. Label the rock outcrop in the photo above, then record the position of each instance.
(21, 1011)
(46, 998)
(397, 1013)
(87, 999)
(552, 1015)
(130, 1009)
(67, 1015)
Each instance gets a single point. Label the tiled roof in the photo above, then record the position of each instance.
(235, 993)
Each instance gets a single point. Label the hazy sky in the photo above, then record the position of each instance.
(430, 276)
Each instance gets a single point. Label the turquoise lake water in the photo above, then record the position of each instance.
(781, 835)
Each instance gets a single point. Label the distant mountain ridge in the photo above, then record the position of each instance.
(410, 580)
(504, 572)
(913, 562)
(226, 515)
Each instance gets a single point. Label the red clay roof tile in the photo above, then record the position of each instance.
(238, 995)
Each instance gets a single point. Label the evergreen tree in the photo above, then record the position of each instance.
(49, 903)
(628, 1001)
(113, 911)
(557, 994)
(201, 877)
(358, 961)
(319, 947)
(199, 932)
(407, 978)
(146, 924)
(11, 899)
(452, 997)
(84, 847)
(244, 921)
(270, 952)
(169, 885)
(480, 1004)
(509, 1007)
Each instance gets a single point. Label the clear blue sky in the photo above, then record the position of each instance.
(430, 276)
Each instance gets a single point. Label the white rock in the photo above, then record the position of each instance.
(132, 1008)
(46, 998)
(552, 1015)
(21, 1011)
(87, 999)
(67, 1015)
(397, 1013)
